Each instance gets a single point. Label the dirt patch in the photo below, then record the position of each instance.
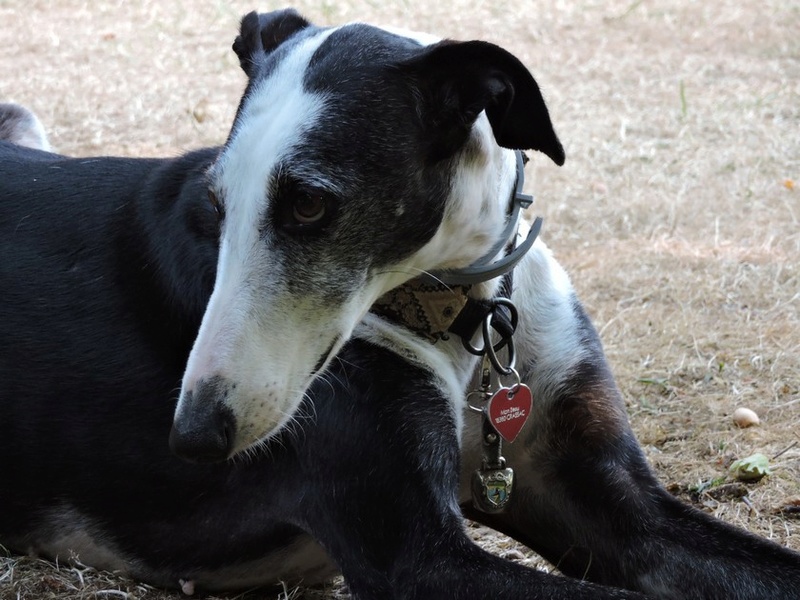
(676, 213)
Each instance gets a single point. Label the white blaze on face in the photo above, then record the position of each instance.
(253, 336)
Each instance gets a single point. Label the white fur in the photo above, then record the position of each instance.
(548, 328)
(549, 335)
(476, 212)
(67, 528)
(21, 126)
(303, 560)
(35, 136)
(424, 39)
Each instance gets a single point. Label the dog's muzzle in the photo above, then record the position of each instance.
(203, 430)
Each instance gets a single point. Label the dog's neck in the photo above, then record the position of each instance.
(425, 320)
(431, 304)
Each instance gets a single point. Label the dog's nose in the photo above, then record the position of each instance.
(203, 429)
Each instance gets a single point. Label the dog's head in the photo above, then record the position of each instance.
(358, 159)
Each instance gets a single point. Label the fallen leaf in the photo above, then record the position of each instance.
(752, 468)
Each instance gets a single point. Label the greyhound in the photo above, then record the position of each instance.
(317, 289)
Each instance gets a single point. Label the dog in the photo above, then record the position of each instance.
(322, 422)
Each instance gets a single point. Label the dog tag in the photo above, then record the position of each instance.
(508, 410)
(491, 489)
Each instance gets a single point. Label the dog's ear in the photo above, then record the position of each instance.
(458, 80)
(260, 34)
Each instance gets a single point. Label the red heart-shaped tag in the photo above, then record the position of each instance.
(508, 410)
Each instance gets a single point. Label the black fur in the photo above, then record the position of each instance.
(460, 80)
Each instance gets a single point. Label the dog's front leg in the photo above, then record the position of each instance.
(585, 498)
(372, 478)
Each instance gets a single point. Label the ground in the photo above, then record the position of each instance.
(676, 212)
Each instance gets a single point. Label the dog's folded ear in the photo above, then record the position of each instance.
(456, 81)
(260, 34)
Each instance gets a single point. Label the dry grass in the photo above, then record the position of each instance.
(675, 212)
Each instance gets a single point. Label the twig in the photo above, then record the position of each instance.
(785, 450)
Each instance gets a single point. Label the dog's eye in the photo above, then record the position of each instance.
(216, 204)
(303, 210)
(309, 207)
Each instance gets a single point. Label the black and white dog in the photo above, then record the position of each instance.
(318, 436)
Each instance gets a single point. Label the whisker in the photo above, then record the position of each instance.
(417, 273)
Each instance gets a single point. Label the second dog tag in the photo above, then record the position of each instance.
(491, 489)
(508, 410)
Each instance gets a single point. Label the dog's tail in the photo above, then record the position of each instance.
(20, 126)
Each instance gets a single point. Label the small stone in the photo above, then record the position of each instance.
(744, 417)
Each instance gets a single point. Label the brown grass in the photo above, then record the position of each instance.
(675, 212)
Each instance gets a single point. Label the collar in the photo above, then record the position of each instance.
(428, 308)
(437, 304)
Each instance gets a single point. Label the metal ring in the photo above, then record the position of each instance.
(475, 408)
(470, 348)
(491, 351)
(512, 309)
(487, 323)
(515, 386)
